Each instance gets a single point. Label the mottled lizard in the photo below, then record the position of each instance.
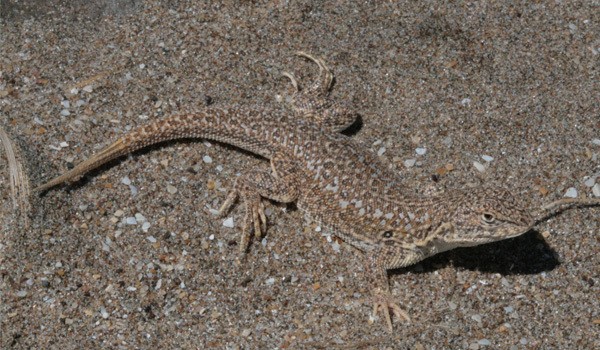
(340, 183)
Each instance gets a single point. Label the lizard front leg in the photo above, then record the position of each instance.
(378, 262)
(279, 184)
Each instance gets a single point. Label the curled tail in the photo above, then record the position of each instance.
(233, 126)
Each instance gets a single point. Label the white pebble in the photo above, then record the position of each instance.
(130, 220)
(270, 281)
(171, 189)
(596, 190)
(596, 142)
(336, 246)
(480, 167)
(119, 213)
(590, 182)
(146, 226)
(142, 66)
(133, 190)
(151, 239)
(212, 237)
(65, 112)
(22, 293)
(409, 163)
(421, 151)
(65, 103)
(131, 289)
(228, 222)
(104, 313)
(487, 158)
(126, 180)
(207, 159)
(465, 101)
(64, 144)
(484, 342)
(139, 217)
(88, 88)
(381, 151)
(571, 192)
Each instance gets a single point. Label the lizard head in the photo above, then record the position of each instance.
(482, 216)
(488, 215)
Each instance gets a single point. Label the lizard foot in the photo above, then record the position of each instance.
(254, 217)
(384, 302)
(323, 85)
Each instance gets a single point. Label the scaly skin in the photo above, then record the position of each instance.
(338, 182)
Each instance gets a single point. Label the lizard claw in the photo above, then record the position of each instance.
(384, 302)
(254, 217)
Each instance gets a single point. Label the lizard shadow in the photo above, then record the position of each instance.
(523, 255)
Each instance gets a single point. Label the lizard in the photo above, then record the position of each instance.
(339, 183)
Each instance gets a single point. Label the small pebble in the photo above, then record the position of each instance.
(65, 112)
(64, 144)
(571, 192)
(22, 293)
(421, 150)
(487, 158)
(596, 190)
(207, 159)
(590, 182)
(409, 163)
(65, 103)
(228, 222)
(171, 189)
(103, 313)
(88, 88)
(596, 142)
(465, 101)
(118, 213)
(270, 281)
(146, 226)
(151, 239)
(484, 342)
(131, 289)
(130, 220)
(139, 217)
(480, 167)
(126, 180)
(381, 151)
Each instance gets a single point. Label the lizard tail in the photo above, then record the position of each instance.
(227, 126)
(111, 152)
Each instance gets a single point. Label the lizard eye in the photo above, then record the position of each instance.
(488, 218)
(388, 234)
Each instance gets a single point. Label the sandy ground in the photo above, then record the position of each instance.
(132, 257)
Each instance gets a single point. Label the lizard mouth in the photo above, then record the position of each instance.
(554, 208)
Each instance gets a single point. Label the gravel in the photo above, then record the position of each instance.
(518, 81)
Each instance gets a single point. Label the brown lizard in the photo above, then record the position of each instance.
(339, 183)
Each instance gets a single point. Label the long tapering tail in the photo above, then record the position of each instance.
(246, 129)
(111, 152)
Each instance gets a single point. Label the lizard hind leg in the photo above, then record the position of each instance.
(314, 103)
(279, 185)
